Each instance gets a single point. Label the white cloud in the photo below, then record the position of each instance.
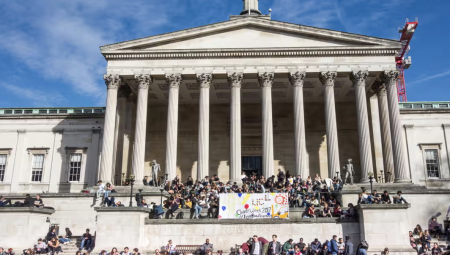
(36, 97)
(442, 74)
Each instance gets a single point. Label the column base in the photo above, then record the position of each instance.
(366, 180)
(402, 181)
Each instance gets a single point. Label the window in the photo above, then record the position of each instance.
(37, 167)
(2, 167)
(432, 163)
(75, 167)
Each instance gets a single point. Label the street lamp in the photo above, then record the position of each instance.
(122, 179)
(162, 190)
(165, 180)
(371, 181)
(382, 176)
(131, 179)
(389, 176)
(379, 179)
(337, 174)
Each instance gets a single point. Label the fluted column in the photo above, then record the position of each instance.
(138, 160)
(235, 81)
(398, 140)
(327, 79)
(365, 154)
(297, 80)
(204, 82)
(173, 82)
(386, 143)
(113, 82)
(266, 81)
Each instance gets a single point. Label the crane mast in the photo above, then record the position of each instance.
(402, 61)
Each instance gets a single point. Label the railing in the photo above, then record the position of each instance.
(52, 111)
(424, 105)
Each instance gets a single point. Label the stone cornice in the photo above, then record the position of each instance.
(276, 26)
(48, 211)
(251, 53)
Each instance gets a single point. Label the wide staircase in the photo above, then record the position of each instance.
(73, 246)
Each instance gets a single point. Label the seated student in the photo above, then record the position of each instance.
(109, 201)
(316, 247)
(376, 197)
(398, 199)
(337, 211)
(341, 246)
(145, 181)
(29, 201)
(332, 202)
(436, 249)
(119, 204)
(86, 240)
(311, 213)
(4, 201)
(326, 211)
(435, 228)
(385, 198)
(67, 237)
(38, 202)
(53, 246)
(306, 201)
(51, 234)
(40, 247)
(325, 249)
(350, 212)
(314, 201)
(288, 247)
(188, 203)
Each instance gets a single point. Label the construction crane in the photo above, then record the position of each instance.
(402, 61)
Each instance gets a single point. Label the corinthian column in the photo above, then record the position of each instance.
(386, 143)
(235, 81)
(204, 82)
(266, 81)
(113, 82)
(296, 80)
(143, 81)
(327, 79)
(359, 82)
(173, 81)
(398, 141)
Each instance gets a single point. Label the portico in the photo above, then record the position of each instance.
(294, 95)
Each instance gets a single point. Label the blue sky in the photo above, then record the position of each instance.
(49, 49)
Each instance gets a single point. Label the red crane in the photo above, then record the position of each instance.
(407, 32)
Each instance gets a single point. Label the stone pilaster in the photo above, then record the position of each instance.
(398, 141)
(266, 81)
(386, 143)
(235, 81)
(359, 82)
(173, 82)
(113, 81)
(204, 83)
(138, 160)
(327, 79)
(297, 80)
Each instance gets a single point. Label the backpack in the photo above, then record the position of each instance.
(364, 245)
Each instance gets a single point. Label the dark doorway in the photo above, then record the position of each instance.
(252, 164)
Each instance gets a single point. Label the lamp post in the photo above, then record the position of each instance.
(371, 181)
(165, 180)
(379, 179)
(162, 190)
(131, 192)
(337, 174)
(382, 176)
(122, 179)
(389, 176)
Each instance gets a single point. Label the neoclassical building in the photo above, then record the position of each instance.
(248, 94)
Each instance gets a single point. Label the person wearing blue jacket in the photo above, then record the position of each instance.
(333, 246)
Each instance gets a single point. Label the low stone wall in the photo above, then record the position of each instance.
(21, 227)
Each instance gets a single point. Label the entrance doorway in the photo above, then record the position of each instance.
(252, 164)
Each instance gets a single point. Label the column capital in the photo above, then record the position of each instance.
(327, 78)
(297, 78)
(359, 77)
(235, 79)
(389, 77)
(174, 80)
(124, 91)
(266, 79)
(112, 81)
(204, 80)
(143, 81)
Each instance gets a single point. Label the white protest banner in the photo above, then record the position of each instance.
(253, 206)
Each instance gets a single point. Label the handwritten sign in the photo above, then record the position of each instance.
(254, 206)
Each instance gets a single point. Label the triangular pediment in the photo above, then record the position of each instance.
(250, 33)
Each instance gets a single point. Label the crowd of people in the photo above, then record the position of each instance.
(261, 246)
(420, 240)
(203, 194)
